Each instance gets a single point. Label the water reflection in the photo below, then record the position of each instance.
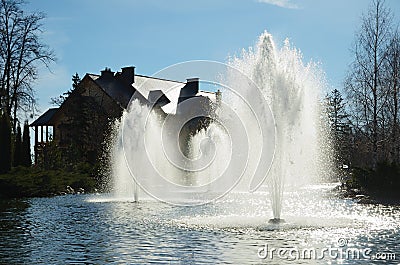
(15, 234)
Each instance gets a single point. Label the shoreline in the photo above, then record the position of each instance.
(367, 197)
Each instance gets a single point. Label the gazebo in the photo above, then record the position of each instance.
(43, 123)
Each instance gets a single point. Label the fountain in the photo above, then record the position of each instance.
(265, 131)
(292, 89)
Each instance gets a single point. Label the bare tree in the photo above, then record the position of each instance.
(393, 82)
(365, 83)
(22, 51)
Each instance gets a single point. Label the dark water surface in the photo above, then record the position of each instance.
(97, 229)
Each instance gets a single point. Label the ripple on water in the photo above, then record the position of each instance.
(104, 230)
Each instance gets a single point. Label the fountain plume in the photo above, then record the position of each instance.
(292, 90)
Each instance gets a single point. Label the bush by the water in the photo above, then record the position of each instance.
(383, 180)
(34, 182)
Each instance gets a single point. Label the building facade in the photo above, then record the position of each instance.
(85, 117)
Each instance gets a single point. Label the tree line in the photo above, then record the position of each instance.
(22, 53)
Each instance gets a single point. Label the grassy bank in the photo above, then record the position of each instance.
(33, 182)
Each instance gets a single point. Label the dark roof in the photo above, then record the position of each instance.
(117, 90)
(45, 118)
(157, 97)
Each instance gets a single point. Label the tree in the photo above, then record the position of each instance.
(365, 84)
(339, 125)
(393, 82)
(86, 134)
(21, 53)
(5, 144)
(75, 81)
(26, 159)
(60, 99)
(17, 158)
(337, 112)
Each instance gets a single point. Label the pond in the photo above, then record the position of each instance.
(99, 229)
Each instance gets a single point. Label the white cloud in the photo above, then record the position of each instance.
(280, 3)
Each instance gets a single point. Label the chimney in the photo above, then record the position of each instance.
(128, 75)
(192, 86)
(218, 97)
(107, 73)
(189, 90)
(193, 80)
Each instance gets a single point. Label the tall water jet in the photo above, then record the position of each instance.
(292, 90)
(124, 185)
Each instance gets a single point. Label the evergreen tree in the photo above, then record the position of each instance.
(26, 147)
(5, 143)
(17, 159)
(75, 81)
(337, 114)
(60, 99)
(339, 125)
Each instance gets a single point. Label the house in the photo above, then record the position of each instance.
(86, 114)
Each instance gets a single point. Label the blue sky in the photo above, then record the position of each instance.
(89, 35)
